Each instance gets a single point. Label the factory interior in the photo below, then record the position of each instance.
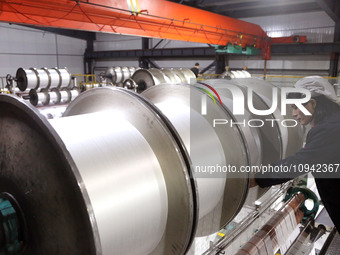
(135, 127)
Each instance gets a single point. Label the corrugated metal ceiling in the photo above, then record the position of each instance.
(255, 8)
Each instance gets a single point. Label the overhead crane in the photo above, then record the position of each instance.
(146, 18)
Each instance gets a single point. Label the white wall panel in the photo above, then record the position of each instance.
(27, 47)
(299, 62)
(70, 46)
(75, 64)
(118, 45)
(16, 39)
(10, 63)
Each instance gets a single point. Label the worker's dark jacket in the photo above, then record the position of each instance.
(195, 70)
(322, 147)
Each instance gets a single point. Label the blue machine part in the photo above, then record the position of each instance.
(308, 195)
(10, 226)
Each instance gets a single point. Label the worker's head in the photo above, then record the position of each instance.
(197, 65)
(321, 104)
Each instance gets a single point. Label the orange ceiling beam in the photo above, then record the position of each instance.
(147, 18)
(157, 18)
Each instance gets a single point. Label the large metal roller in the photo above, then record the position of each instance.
(55, 96)
(111, 177)
(220, 196)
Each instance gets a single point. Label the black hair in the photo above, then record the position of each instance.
(197, 64)
(324, 106)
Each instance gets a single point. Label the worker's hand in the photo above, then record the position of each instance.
(252, 180)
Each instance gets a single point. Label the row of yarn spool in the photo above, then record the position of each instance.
(55, 96)
(117, 75)
(143, 79)
(43, 78)
(235, 74)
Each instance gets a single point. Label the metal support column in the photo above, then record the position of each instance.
(221, 61)
(334, 61)
(143, 62)
(89, 49)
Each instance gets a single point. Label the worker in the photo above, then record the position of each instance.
(196, 69)
(321, 153)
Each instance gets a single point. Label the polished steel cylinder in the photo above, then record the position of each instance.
(120, 207)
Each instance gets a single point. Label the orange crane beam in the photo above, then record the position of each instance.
(147, 18)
